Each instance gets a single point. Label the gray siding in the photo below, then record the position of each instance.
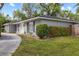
(53, 23)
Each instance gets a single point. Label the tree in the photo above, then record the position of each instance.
(33, 10)
(1, 18)
(77, 5)
(51, 8)
(19, 15)
(27, 7)
(67, 14)
(7, 19)
(2, 21)
(72, 16)
(16, 14)
(1, 5)
(35, 14)
(77, 11)
(23, 16)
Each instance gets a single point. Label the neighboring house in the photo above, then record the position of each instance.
(29, 25)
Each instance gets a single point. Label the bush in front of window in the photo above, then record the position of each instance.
(42, 30)
(55, 31)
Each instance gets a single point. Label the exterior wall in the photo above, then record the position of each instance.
(25, 28)
(52, 23)
(20, 28)
(10, 28)
(29, 27)
(75, 29)
(7, 28)
(17, 28)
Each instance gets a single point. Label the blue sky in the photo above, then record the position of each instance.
(10, 7)
(70, 6)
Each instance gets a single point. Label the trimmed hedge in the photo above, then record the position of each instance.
(42, 30)
(55, 31)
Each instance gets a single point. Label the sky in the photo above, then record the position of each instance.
(10, 7)
(69, 6)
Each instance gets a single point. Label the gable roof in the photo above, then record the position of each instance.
(51, 18)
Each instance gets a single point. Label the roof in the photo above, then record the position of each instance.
(51, 18)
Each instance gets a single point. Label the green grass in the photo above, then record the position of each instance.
(59, 46)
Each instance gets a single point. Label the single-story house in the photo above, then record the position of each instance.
(29, 25)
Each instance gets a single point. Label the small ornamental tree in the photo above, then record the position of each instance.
(42, 30)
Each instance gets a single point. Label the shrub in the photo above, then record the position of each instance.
(58, 31)
(42, 30)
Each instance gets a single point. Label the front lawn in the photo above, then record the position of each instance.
(59, 46)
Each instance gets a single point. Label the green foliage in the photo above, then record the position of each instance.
(35, 14)
(18, 14)
(1, 5)
(31, 9)
(68, 14)
(27, 7)
(2, 19)
(42, 30)
(51, 8)
(23, 16)
(65, 13)
(58, 31)
(77, 12)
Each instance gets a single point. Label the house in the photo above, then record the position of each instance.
(29, 25)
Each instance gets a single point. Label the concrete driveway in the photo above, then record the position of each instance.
(9, 43)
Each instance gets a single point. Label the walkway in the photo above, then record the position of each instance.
(8, 44)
